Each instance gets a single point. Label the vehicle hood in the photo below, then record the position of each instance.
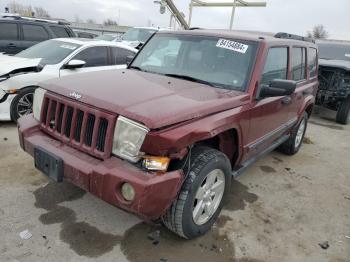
(335, 63)
(8, 64)
(154, 100)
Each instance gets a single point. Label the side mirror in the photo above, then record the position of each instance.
(129, 59)
(278, 87)
(74, 64)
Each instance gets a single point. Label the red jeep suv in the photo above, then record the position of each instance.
(164, 138)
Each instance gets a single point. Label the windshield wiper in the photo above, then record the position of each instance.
(136, 68)
(193, 79)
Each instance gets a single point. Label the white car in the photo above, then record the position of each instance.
(20, 74)
(137, 36)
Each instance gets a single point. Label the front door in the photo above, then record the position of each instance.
(269, 116)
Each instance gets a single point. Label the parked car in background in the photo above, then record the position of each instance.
(334, 77)
(137, 36)
(20, 74)
(110, 37)
(164, 138)
(18, 33)
(82, 34)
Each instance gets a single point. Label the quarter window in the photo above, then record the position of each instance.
(59, 31)
(276, 65)
(120, 55)
(94, 56)
(34, 33)
(298, 63)
(8, 31)
(312, 58)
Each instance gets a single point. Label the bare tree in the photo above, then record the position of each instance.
(110, 22)
(27, 10)
(41, 12)
(318, 32)
(90, 21)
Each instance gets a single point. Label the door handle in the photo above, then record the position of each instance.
(286, 100)
(11, 45)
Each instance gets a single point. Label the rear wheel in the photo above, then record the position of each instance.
(343, 114)
(294, 142)
(201, 198)
(22, 104)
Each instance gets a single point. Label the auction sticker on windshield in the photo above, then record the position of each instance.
(232, 45)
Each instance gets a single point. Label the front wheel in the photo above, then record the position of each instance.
(201, 198)
(22, 104)
(343, 114)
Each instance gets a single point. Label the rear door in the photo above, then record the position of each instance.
(33, 34)
(304, 71)
(9, 38)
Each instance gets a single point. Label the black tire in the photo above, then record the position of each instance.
(289, 147)
(17, 107)
(343, 114)
(179, 218)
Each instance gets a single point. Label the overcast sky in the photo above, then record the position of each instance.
(293, 16)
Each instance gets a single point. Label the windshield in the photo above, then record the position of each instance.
(334, 51)
(51, 52)
(138, 34)
(107, 37)
(217, 62)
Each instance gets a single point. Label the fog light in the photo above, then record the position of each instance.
(128, 192)
(155, 163)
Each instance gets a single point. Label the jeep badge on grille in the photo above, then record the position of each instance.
(75, 95)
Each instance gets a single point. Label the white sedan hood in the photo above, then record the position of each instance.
(11, 63)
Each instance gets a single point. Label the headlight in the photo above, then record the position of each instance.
(38, 102)
(128, 139)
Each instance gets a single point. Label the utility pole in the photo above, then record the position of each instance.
(234, 4)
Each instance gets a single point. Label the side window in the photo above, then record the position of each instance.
(120, 55)
(59, 31)
(34, 33)
(298, 63)
(8, 31)
(276, 65)
(312, 61)
(94, 56)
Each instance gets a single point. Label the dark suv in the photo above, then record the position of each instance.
(334, 76)
(164, 138)
(19, 33)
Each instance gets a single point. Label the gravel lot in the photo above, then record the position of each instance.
(281, 209)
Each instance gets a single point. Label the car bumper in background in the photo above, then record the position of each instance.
(5, 108)
(153, 193)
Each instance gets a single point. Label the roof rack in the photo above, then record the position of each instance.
(34, 19)
(283, 35)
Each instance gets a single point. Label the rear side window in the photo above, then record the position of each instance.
(312, 61)
(8, 31)
(34, 33)
(94, 56)
(59, 31)
(120, 55)
(298, 63)
(276, 65)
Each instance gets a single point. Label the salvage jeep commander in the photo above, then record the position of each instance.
(163, 138)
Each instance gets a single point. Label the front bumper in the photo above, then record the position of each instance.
(5, 107)
(104, 178)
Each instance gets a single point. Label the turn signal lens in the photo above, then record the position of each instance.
(128, 192)
(155, 163)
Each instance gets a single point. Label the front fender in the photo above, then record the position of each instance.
(176, 138)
